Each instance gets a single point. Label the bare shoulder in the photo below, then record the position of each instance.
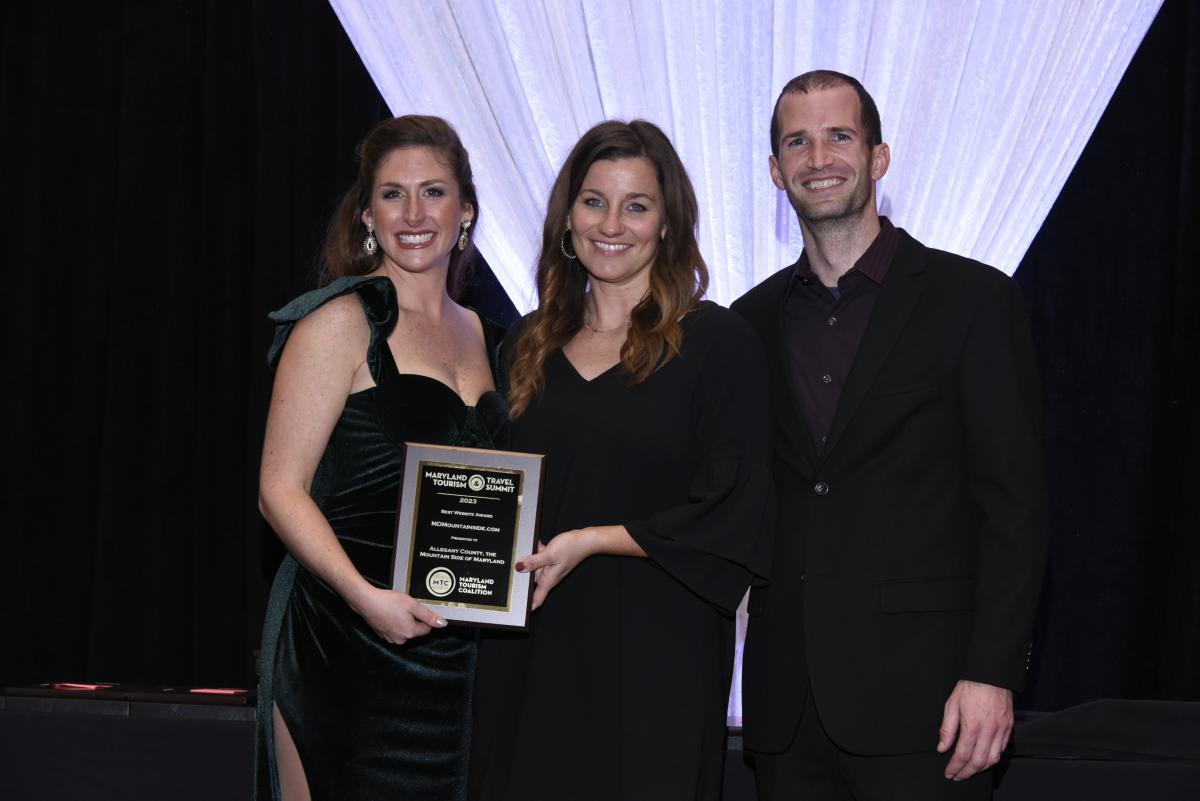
(334, 337)
(340, 322)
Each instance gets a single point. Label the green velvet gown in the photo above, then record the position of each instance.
(370, 719)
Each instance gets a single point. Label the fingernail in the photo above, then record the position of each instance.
(520, 567)
(439, 622)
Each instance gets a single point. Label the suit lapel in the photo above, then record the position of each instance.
(793, 423)
(897, 296)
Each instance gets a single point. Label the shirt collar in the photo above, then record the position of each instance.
(873, 263)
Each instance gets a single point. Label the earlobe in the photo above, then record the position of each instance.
(880, 161)
(776, 174)
(366, 216)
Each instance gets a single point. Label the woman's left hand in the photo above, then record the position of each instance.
(553, 562)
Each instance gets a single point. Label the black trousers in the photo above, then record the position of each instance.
(813, 768)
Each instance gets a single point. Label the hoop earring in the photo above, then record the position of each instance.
(462, 237)
(562, 245)
(370, 244)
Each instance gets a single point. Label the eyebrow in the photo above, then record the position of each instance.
(630, 196)
(431, 182)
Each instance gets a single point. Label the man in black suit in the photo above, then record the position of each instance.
(881, 659)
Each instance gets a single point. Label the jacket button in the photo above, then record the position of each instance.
(821, 488)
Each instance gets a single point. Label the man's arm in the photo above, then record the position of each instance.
(1002, 405)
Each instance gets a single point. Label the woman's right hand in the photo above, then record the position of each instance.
(395, 616)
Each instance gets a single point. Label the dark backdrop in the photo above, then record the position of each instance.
(1113, 285)
(167, 168)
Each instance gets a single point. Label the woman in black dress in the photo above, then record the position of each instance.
(364, 693)
(650, 406)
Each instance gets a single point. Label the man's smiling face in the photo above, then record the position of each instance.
(825, 164)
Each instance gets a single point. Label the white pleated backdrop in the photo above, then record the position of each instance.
(986, 105)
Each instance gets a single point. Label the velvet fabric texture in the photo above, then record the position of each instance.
(370, 719)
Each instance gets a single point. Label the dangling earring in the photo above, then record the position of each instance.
(369, 244)
(562, 245)
(462, 237)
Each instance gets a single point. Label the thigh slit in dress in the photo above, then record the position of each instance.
(370, 719)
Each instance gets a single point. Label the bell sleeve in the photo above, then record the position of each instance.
(719, 542)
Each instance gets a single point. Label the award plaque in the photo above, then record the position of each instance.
(466, 516)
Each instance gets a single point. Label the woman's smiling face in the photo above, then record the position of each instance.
(417, 210)
(617, 220)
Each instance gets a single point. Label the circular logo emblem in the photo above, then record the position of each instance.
(440, 582)
(475, 482)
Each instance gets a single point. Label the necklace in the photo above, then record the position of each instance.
(589, 311)
(594, 330)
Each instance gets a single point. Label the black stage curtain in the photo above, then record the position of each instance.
(1113, 284)
(168, 168)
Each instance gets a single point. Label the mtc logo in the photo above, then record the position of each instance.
(440, 582)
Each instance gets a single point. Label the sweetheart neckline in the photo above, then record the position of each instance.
(439, 383)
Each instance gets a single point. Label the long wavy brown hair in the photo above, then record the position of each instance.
(678, 275)
(343, 253)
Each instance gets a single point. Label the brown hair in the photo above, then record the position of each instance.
(343, 254)
(817, 80)
(678, 276)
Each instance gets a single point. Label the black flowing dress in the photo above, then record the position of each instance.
(370, 719)
(620, 691)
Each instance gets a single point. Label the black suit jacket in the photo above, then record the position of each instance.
(910, 549)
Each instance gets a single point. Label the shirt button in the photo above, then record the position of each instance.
(806, 280)
(832, 321)
(827, 378)
(821, 488)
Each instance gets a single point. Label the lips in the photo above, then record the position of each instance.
(415, 239)
(610, 247)
(818, 184)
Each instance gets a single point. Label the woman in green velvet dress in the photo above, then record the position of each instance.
(364, 692)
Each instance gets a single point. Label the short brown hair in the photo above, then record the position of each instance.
(343, 253)
(828, 79)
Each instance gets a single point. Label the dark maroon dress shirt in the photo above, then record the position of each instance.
(823, 327)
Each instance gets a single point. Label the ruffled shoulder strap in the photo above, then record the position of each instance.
(378, 297)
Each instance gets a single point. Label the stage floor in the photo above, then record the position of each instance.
(86, 749)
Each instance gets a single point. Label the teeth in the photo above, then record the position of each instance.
(415, 239)
(824, 183)
(610, 248)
